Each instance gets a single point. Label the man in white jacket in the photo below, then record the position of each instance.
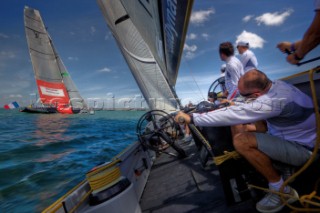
(234, 69)
(291, 135)
(247, 57)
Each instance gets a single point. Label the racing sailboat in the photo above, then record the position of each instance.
(150, 35)
(57, 91)
(152, 49)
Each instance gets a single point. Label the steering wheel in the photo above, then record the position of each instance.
(156, 128)
(217, 88)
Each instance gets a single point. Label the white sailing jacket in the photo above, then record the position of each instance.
(288, 111)
(234, 70)
(248, 60)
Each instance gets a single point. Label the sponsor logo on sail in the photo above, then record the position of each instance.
(171, 33)
(52, 91)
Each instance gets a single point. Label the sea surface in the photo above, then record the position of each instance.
(43, 156)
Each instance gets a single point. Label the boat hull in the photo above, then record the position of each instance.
(134, 163)
(44, 110)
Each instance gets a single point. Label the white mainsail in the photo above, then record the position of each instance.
(150, 35)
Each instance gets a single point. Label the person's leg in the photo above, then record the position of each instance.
(245, 144)
(237, 129)
(259, 149)
(259, 126)
(281, 150)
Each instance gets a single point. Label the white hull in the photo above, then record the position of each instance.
(132, 159)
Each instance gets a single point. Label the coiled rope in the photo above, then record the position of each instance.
(226, 156)
(103, 176)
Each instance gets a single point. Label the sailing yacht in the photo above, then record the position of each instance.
(183, 178)
(57, 91)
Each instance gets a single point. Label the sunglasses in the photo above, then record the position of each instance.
(251, 93)
(247, 94)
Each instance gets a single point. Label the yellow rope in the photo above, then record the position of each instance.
(96, 170)
(226, 156)
(103, 178)
(305, 200)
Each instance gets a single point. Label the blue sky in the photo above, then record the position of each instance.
(97, 67)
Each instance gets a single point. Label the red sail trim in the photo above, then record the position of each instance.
(53, 93)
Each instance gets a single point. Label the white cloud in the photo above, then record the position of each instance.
(73, 58)
(108, 35)
(92, 30)
(15, 96)
(190, 50)
(190, 55)
(205, 36)
(94, 88)
(105, 69)
(204, 79)
(199, 17)
(2, 35)
(247, 18)
(192, 36)
(110, 94)
(6, 54)
(254, 40)
(273, 19)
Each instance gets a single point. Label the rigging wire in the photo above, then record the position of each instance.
(193, 78)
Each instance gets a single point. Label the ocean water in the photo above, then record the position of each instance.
(44, 156)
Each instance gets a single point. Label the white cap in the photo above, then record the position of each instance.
(223, 67)
(243, 44)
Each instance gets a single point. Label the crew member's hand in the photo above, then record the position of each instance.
(283, 46)
(182, 118)
(292, 59)
(225, 94)
(225, 101)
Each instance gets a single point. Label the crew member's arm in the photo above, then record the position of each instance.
(310, 40)
(240, 113)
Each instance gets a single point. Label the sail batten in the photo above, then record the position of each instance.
(34, 30)
(42, 52)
